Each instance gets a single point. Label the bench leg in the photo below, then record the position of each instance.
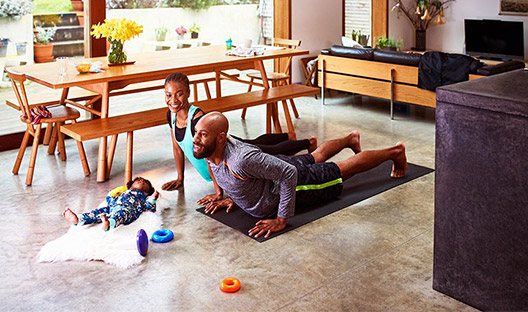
(287, 116)
(243, 116)
(53, 141)
(101, 161)
(47, 134)
(275, 116)
(62, 148)
(21, 152)
(129, 152)
(33, 159)
(295, 112)
(111, 152)
(84, 162)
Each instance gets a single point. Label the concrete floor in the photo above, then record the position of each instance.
(373, 256)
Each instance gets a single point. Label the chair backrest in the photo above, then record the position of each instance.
(17, 81)
(284, 66)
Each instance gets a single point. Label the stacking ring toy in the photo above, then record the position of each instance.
(162, 236)
(230, 285)
(142, 242)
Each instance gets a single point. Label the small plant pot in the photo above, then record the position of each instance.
(21, 48)
(43, 53)
(160, 36)
(3, 47)
(194, 35)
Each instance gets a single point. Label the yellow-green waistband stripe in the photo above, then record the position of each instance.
(311, 187)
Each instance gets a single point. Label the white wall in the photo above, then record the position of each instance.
(450, 36)
(318, 24)
(217, 23)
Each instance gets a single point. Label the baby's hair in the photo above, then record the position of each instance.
(177, 77)
(151, 189)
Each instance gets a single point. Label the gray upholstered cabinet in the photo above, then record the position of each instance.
(481, 192)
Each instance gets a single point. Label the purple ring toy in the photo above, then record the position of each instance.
(142, 242)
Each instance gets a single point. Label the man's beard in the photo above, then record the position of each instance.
(206, 151)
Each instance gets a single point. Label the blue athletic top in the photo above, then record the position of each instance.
(187, 145)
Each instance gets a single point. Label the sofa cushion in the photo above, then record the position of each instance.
(357, 53)
(395, 57)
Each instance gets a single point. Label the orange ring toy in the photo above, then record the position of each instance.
(230, 285)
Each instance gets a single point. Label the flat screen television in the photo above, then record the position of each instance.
(494, 39)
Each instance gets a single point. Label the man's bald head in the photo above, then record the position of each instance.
(214, 123)
(210, 135)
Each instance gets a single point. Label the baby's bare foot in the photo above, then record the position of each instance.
(400, 161)
(104, 221)
(354, 143)
(70, 216)
(313, 144)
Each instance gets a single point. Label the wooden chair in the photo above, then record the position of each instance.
(311, 74)
(59, 115)
(282, 76)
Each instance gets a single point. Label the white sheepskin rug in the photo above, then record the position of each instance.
(90, 242)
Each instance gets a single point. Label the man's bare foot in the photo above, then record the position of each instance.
(292, 136)
(400, 161)
(70, 216)
(104, 221)
(313, 144)
(354, 143)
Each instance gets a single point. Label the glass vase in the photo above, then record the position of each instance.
(116, 54)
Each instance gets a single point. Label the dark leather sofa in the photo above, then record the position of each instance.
(387, 74)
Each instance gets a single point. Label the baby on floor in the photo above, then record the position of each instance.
(124, 206)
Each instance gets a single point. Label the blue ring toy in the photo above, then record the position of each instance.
(162, 236)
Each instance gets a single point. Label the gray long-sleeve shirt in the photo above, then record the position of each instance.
(259, 183)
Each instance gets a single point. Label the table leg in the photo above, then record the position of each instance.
(218, 81)
(269, 107)
(101, 162)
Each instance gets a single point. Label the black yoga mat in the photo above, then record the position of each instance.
(355, 189)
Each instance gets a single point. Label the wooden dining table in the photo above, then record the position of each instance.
(152, 66)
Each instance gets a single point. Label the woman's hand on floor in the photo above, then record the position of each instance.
(172, 185)
(213, 206)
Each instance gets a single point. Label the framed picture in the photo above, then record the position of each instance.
(514, 7)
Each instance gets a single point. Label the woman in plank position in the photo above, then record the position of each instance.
(182, 117)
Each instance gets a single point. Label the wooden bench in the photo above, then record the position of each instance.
(113, 126)
(76, 95)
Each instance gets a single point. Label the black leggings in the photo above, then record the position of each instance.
(277, 143)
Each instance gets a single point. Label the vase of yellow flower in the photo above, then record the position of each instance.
(117, 31)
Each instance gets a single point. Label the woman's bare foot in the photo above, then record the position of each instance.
(313, 144)
(292, 136)
(354, 143)
(104, 221)
(400, 161)
(70, 216)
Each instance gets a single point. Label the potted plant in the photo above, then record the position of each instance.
(421, 14)
(78, 8)
(160, 32)
(389, 43)
(42, 47)
(194, 31)
(181, 31)
(15, 9)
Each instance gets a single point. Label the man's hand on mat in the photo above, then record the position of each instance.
(213, 206)
(172, 185)
(209, 199)
(268, 226)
